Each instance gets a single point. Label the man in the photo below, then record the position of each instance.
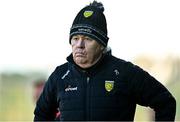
(94, 85)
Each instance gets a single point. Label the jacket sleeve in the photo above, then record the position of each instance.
(46, 106)
(147, 91)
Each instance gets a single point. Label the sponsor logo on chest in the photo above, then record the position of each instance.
(69, 88)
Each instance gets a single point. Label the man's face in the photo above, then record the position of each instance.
(86, 51)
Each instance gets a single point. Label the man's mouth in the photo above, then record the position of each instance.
(79, 54)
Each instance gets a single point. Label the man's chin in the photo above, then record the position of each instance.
(80, 60)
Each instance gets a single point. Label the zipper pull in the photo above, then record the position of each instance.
(88, 80)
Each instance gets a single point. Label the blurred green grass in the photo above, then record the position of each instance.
(16, 98)
(175, 90)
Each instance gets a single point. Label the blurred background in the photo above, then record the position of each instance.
(34, 38)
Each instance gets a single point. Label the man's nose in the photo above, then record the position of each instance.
(80, 43)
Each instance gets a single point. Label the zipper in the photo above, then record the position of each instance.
(88, 80)
(87, 99)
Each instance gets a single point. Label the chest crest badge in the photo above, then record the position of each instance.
(109, 85)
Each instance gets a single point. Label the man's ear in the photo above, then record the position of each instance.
(102, 48)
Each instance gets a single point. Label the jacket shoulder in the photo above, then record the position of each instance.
(61, 69)
(126, 68)
(56, 76)
(123, 64)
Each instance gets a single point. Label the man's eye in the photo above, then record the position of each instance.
(88, 39)
(75, 38)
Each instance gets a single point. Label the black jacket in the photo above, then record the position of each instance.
(109, 90)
